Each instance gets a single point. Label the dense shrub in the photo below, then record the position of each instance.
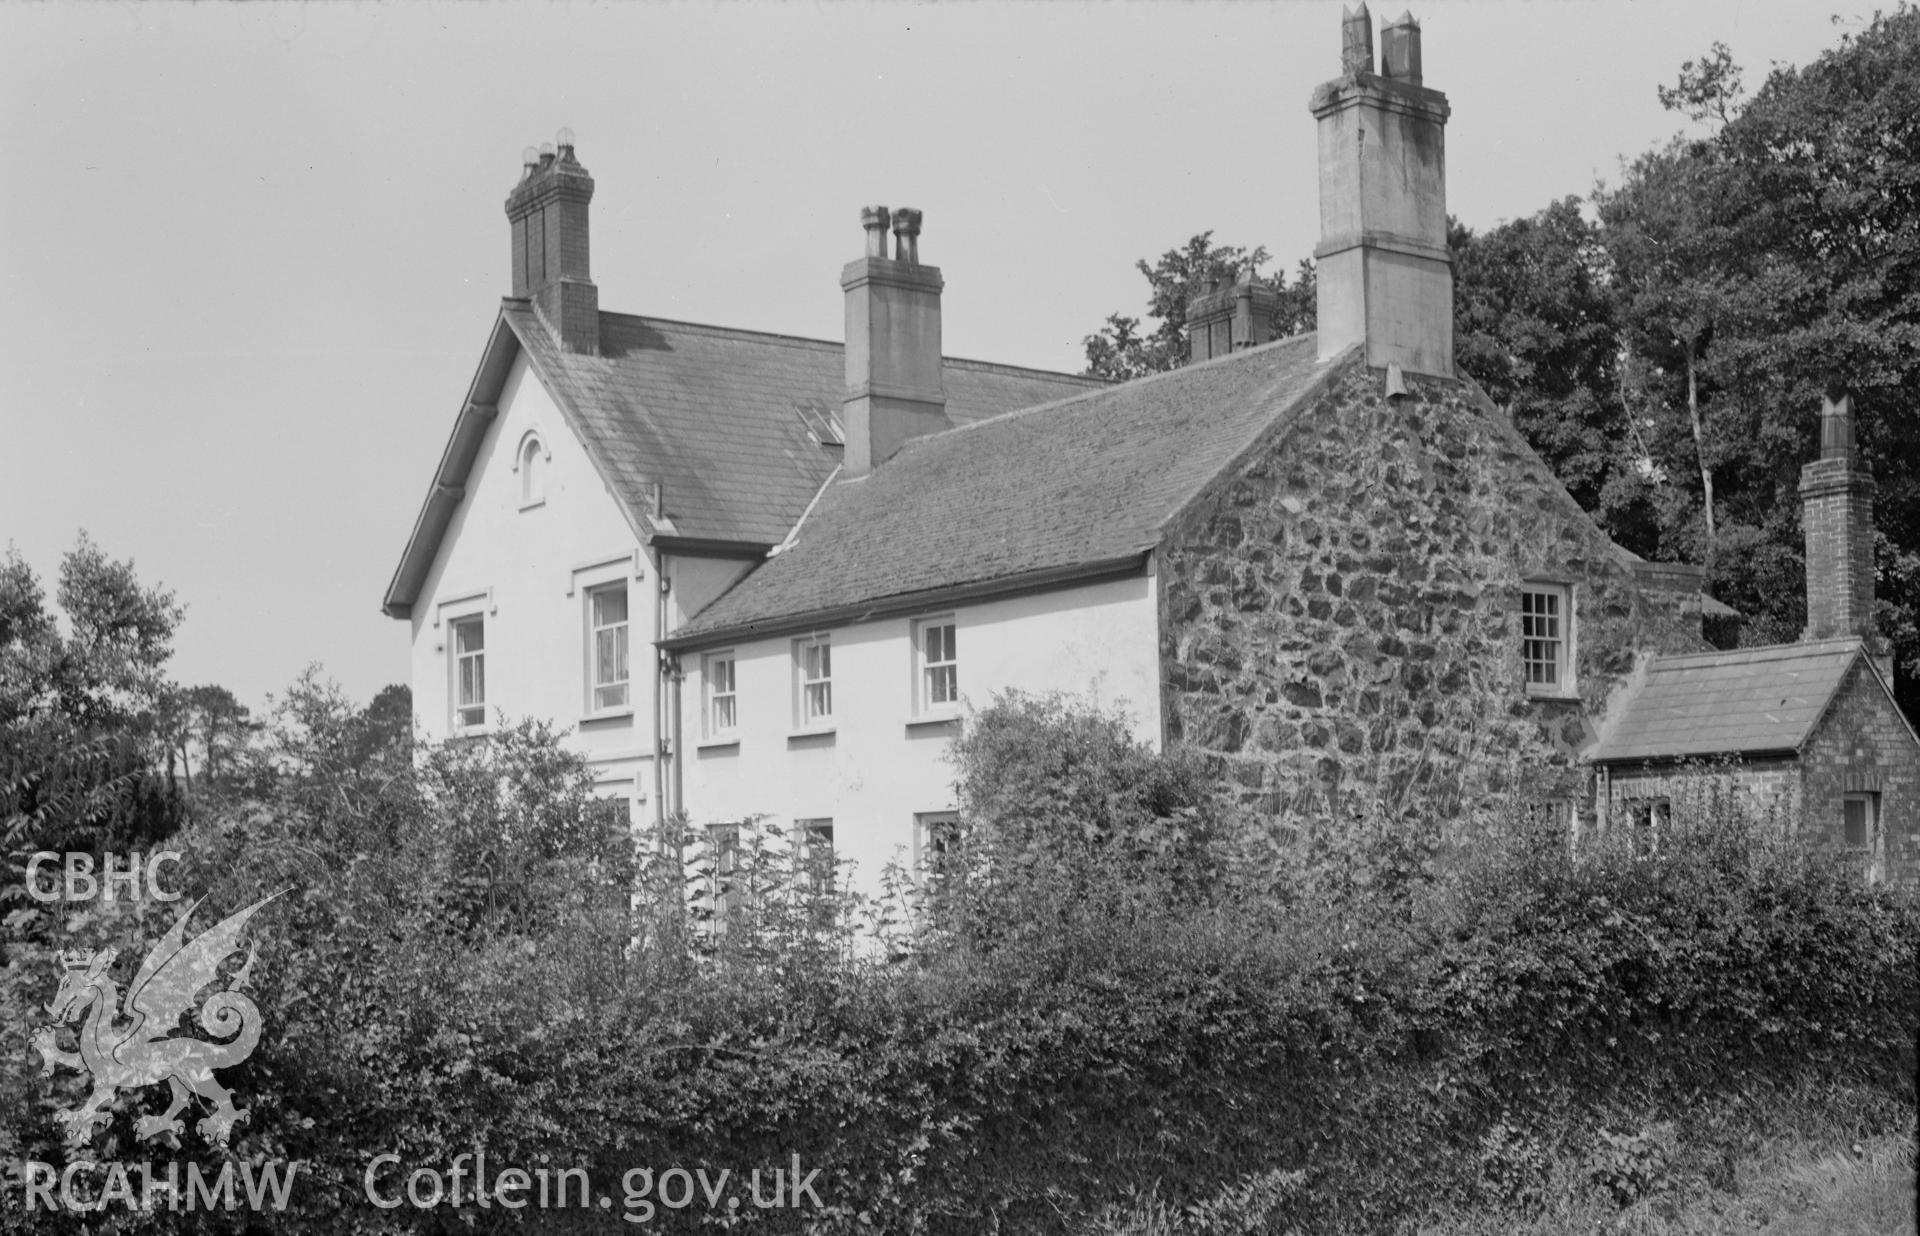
(1130, 1020)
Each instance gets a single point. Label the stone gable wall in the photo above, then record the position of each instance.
(1340, 610)
(1863, 745)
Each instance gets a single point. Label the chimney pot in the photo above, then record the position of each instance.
(1836, 428)
(1400, 50)
(906, 235)
(875, 220)
(1356, 40)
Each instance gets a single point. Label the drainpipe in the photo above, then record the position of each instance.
(675, 677)
(659, 700)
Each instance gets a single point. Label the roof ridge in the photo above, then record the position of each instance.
(1093, 383)
(716, 329)
(1770, 652)
(809, 341)
(1143, 380)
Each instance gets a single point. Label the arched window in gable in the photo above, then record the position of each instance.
(531, 464)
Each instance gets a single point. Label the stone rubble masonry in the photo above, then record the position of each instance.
(1341, 609)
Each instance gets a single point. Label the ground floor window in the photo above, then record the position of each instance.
(724, 877)
(816, 854)
(935, 834)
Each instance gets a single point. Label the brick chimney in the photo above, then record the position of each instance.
(1384, 275)
(894, 389)
(1836, 496)
(548, 213)
(1226, 319)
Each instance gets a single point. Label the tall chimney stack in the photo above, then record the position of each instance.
(1384, 277)
(1836, 496)
(547, 211)
(894, 387)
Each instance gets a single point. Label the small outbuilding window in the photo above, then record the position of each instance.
(1650, 819)
(1862, 835)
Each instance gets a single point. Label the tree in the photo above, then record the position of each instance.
(1120, 352)
(1709, 88)
(1534, 324)
(1828, 160)
(1678, 280)
(1772, 262)
(219, 723)
(386, 723)
(81, 732)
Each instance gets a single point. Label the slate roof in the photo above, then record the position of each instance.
(714, 414)
(1087, 482)
(1743, 702)
(719, 418)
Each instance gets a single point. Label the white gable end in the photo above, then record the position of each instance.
(522, 554)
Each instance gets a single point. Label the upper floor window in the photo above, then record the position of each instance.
(722, 707)
(1861, 833)
(607, 646)
(1546, 627)
(469, 672)
(532, 466)
(813, 678)
(938, 665)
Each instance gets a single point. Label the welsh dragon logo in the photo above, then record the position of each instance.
(139, 1051)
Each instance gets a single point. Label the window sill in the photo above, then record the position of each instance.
(535, 505)
(471, 731)
(718, 744)
(812, 731)
(933, 720)
(1563, 695)
(610, 714)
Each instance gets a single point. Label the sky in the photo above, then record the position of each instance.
(253, 252)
